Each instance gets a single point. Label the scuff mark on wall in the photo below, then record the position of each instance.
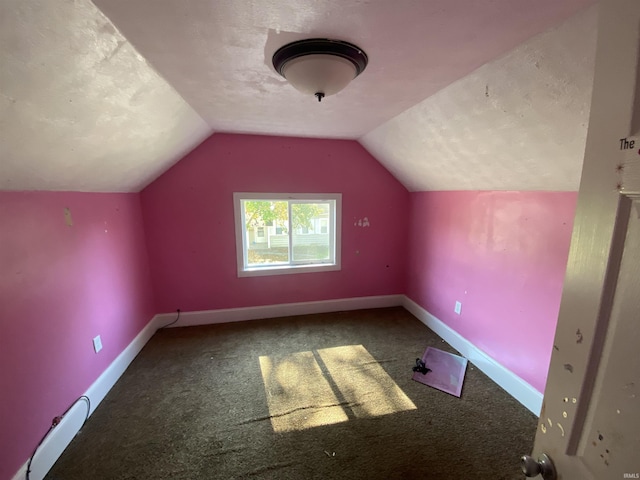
(578, 336)
(568, 367)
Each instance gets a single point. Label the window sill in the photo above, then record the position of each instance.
(287, 270)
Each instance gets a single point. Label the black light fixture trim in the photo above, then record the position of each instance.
(320, 46)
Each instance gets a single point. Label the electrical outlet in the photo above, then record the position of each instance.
(458, 308)
(97, 343)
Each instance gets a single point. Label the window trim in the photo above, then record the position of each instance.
(241, 239)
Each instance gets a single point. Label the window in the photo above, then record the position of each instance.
(287, 233)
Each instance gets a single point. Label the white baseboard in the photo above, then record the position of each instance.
(61, 435)
(513, 384)
(207, 317)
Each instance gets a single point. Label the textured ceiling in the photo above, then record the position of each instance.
(516, 123)
(107, 103)
(80, 109)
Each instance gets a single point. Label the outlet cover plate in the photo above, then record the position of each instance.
(458, 308)
(97, 343)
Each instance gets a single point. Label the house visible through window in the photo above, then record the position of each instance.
(287, 233)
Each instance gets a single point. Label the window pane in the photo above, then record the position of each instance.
(280, 233)
(311, 243)
(266, 229)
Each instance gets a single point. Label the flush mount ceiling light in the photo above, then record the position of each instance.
(319, 66)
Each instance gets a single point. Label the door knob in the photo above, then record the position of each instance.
(543, 466)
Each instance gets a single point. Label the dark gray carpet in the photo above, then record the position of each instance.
(193, 405)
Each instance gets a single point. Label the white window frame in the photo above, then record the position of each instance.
(335, 225)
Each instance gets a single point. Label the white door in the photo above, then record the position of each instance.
(590, 421)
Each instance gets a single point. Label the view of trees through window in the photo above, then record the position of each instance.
(287, 232)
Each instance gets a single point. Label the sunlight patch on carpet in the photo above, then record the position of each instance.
(363, 382)
(301, 395)
(298, 394)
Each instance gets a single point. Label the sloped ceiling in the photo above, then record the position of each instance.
(106, 98)
(516, 123)
(80, 109)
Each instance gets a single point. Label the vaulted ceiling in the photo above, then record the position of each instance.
(458, 94)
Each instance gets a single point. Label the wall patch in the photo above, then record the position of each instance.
(67, 217)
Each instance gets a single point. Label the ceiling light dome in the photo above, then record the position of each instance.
(319, 66)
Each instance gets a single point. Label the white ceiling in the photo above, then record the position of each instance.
(79, 108)
(516, 123)
(107, 103)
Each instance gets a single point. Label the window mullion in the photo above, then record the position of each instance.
(290, 231)
(331, 230)
(245, 234)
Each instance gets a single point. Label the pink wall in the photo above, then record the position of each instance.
(60, 286)
(188, 214)
(503, 255)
